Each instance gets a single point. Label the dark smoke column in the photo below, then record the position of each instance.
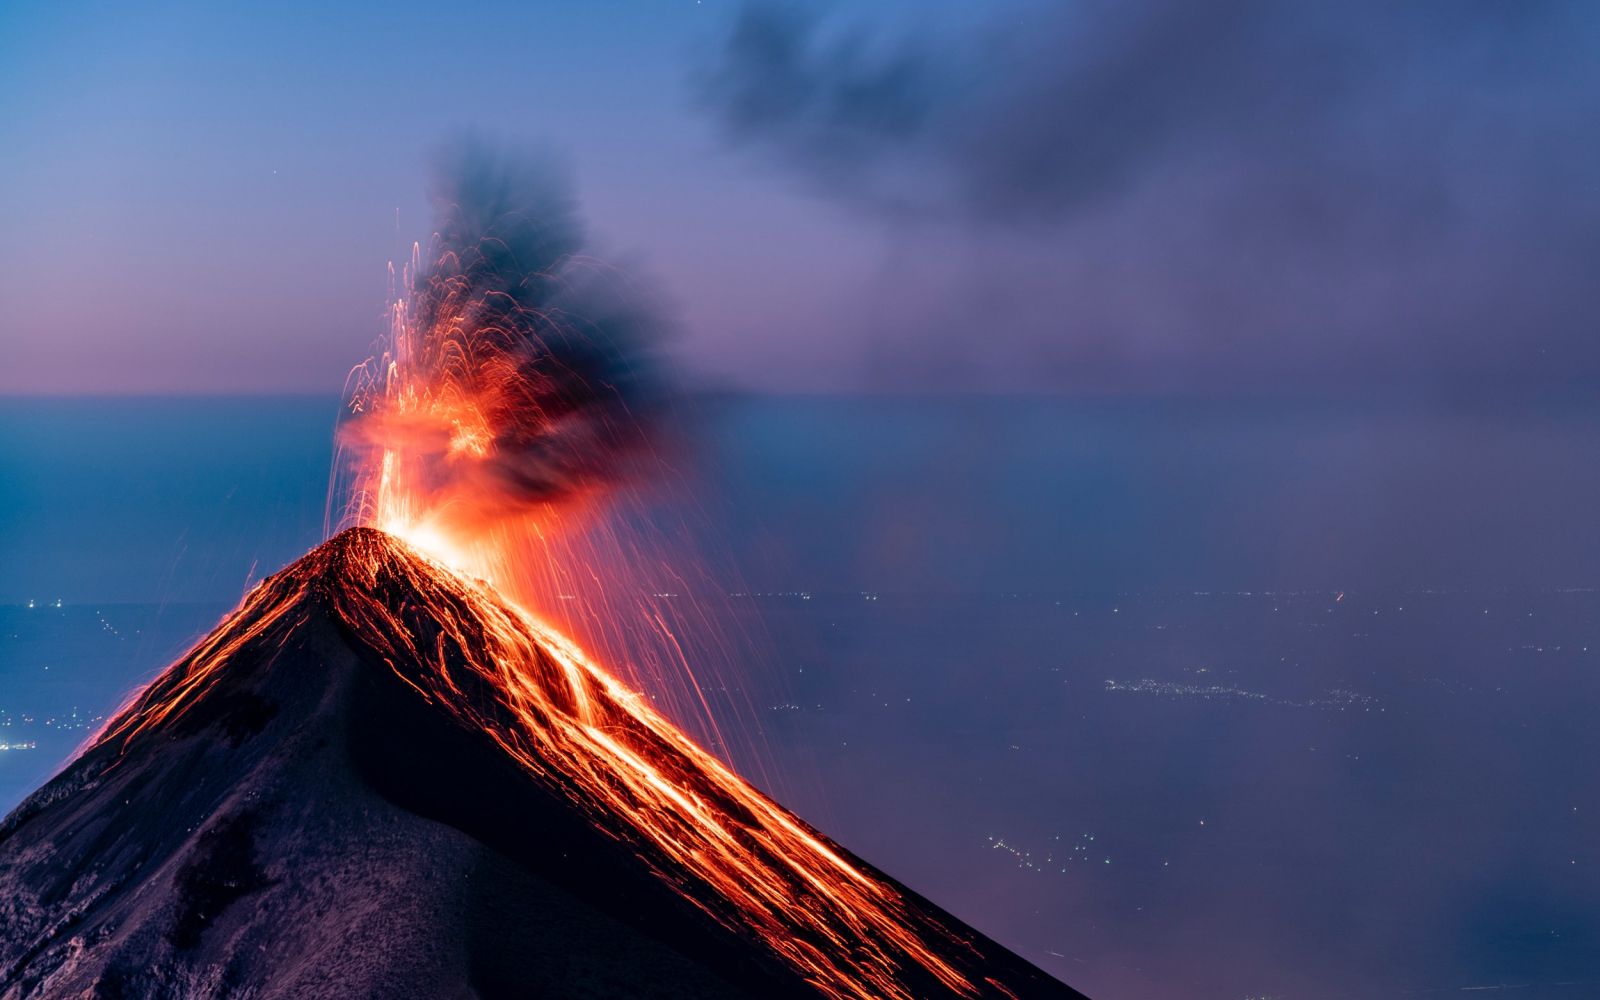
(518, 375)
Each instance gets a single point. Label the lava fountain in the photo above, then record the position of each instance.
(510, 400)
(514, 385)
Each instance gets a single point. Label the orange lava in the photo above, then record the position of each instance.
(452, 391)
(576, 729)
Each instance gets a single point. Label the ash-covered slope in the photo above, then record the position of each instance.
(376, 780)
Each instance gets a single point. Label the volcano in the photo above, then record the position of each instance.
(377, 778)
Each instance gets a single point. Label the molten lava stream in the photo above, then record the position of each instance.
(507, 400)
(578, 730)
(570, 720)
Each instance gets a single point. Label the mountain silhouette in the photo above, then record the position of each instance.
(377, 779)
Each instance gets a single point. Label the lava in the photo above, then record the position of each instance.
(514, 386)
(494, 419)
(576, 729)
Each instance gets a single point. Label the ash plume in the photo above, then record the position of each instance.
(519, 372)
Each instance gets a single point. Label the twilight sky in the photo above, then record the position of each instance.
(1236, 197)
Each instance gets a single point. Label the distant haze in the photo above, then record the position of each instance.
(191, 499)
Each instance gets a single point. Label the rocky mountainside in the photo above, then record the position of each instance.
(376, 780)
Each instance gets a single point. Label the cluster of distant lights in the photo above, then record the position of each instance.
(1081, 852)
(105, 623)
(1334, 699)
(69, 723)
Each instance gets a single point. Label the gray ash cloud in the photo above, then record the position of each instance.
(1242, 189)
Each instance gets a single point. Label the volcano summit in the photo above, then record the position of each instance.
(378, 779)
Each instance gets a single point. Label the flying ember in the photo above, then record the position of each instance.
(504, 407)
(515, 380)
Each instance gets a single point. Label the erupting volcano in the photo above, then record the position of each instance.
(383, 775)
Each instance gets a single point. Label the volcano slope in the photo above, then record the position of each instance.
(376, 779)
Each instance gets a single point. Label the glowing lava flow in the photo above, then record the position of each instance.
(491, 420)
(727, 848)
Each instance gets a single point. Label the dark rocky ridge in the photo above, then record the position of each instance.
(311, 827)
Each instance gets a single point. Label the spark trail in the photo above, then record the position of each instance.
(503, 409)
(580, 732)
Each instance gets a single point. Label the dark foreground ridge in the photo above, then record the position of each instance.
(291, 811)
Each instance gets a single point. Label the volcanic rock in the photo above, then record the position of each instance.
(293, 811)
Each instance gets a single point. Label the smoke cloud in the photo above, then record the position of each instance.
(520, 372)
(1234, 191)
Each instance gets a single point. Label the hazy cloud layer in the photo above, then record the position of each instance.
(1232, 192)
